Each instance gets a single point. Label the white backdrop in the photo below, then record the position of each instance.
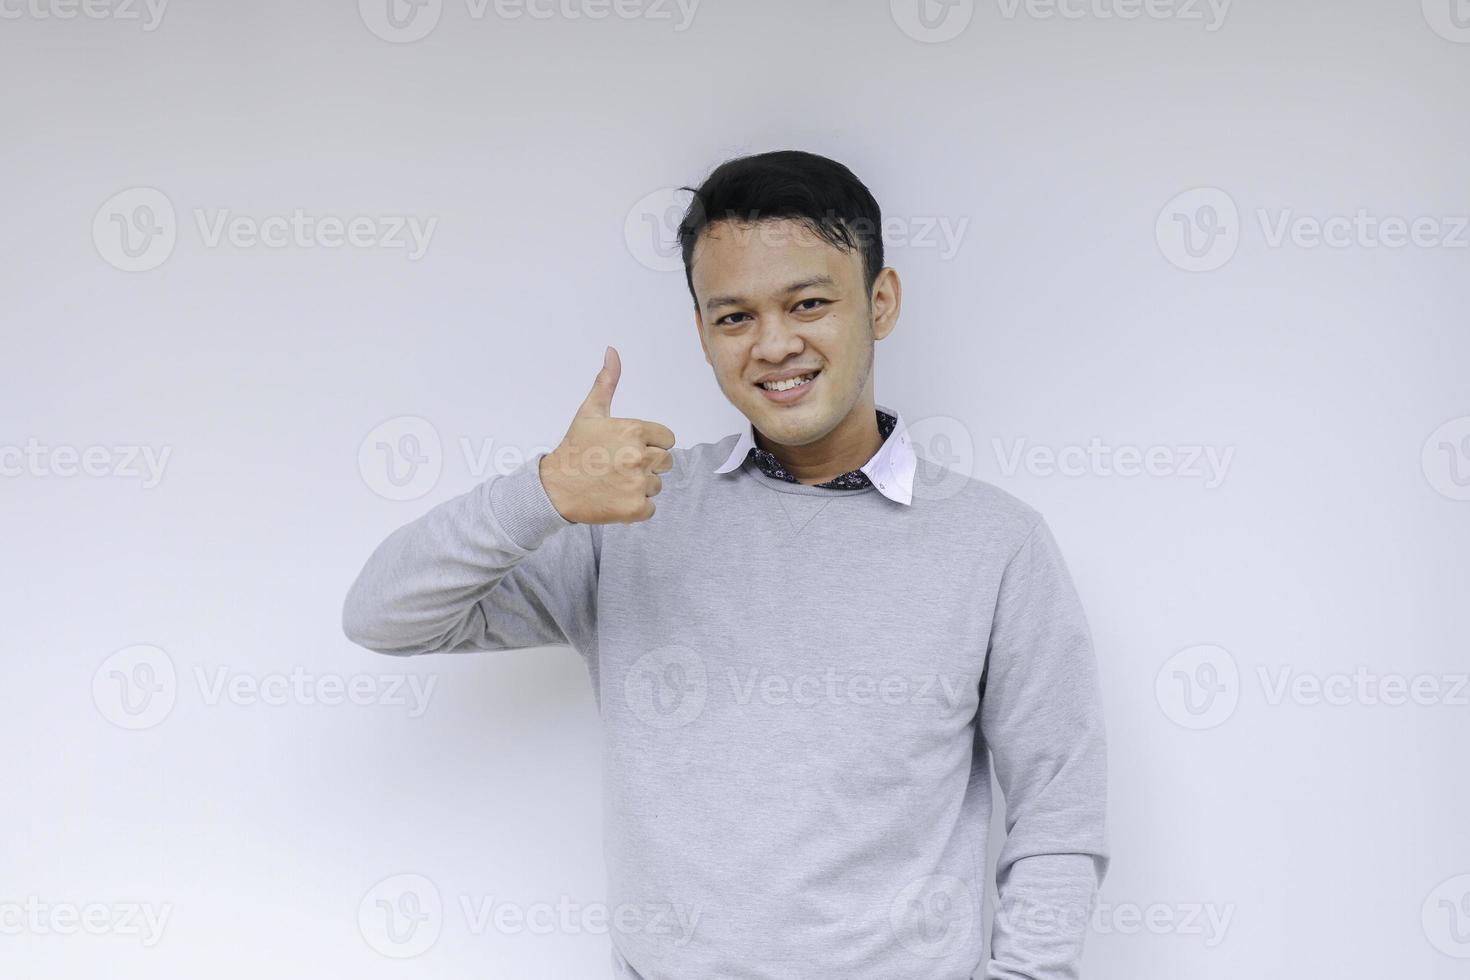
(1190, 279)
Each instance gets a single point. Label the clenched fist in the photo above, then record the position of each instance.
(606, 469)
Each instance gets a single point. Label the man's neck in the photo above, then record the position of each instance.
(847, 447)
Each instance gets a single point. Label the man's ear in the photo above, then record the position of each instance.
(886, 301)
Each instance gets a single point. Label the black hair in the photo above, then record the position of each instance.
(795, 185)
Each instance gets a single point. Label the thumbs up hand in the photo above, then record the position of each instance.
(606, 469)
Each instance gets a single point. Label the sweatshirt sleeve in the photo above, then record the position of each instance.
(496, 568)
(1041, 717)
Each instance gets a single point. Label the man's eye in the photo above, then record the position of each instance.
(804, 303)
(726, 319)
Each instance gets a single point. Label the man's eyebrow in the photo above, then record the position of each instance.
(714, 302)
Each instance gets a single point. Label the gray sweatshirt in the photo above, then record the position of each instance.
(803, 691)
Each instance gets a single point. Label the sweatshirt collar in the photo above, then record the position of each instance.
(891, 469)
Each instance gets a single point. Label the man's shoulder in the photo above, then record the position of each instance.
(970, 496)
(980, 520)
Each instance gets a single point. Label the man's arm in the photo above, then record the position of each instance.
(497, 568)
(514, 562)
(1041, 716)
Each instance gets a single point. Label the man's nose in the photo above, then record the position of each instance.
(776, 338)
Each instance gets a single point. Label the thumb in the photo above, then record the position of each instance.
(598, 403)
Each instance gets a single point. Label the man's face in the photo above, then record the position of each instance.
(775, 297)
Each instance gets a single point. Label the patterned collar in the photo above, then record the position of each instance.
(891, 469)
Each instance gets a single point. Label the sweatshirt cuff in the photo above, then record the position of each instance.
(521, 506)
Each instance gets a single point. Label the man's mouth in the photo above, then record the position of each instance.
(789, 383)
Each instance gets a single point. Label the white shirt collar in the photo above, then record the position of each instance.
(891, 469)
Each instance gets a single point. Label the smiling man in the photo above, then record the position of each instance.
(810, 655)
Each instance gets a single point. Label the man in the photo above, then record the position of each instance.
(808, 655)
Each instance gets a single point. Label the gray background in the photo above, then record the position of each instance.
(1257, 830)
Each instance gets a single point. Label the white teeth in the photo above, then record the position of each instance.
(789, 383)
